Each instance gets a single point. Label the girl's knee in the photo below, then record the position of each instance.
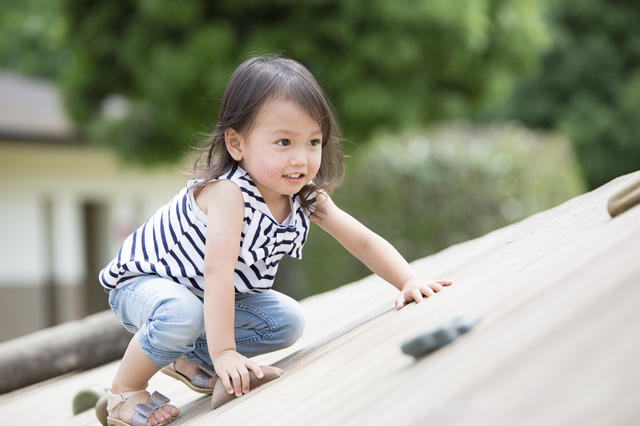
(292, 323)
(185, 316)
(175, 326)
(267, 322)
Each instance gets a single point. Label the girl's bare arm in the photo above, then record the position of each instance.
(376, 253)
(224, 206)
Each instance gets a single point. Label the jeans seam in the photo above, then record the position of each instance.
(263, 316)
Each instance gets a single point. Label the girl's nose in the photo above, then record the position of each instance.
(298, 159)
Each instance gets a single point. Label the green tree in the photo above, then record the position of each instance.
(385, 63)
(589, 86)
(32, 38)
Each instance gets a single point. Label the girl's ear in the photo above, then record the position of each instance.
(233, 140)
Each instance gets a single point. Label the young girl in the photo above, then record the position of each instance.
(194, 281)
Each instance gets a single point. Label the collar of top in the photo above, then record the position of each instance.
(264, 238)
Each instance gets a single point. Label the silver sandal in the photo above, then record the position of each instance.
(142, 411)
(199, 383)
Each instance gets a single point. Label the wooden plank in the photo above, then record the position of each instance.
(558, 343)
(507, 280)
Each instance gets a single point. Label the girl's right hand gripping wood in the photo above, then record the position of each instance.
(221, 396)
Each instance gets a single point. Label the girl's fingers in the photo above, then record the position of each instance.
(236, 384)
(435, 286)
(246, 382)
(426, 289)
(428, 292)
(226, 381)
(400, 301)
(253, 366)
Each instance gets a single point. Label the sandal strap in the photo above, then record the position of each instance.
(144, 411)
(113, 399)
(202, 377)
(157, 400)
(207, 369)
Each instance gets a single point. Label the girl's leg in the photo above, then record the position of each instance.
(133, 374)
(167, 319)
(264, 322)
(166, 316)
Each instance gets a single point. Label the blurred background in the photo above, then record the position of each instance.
(460, 118)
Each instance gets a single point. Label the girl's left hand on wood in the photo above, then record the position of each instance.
(417, 288)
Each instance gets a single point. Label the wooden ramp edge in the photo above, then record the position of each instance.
(559, 294)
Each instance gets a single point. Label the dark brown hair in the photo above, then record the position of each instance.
(253, 84)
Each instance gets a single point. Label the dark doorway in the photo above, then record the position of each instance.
(96, 243)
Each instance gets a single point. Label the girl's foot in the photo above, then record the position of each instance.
(121, 408)
(197, 376)
(190, 369)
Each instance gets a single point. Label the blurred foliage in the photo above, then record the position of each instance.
(386, 64)
(426, 190)
(32, 38)
(589, 86)
(143, 77)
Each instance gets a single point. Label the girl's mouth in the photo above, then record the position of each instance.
(294, 176)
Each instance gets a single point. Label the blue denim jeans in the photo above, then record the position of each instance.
(169, 320)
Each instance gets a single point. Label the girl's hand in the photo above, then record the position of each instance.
(233, 369)
(416, 288)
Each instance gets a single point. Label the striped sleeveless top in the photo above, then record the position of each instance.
(171, 243)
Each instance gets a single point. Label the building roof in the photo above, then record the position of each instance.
(558, 344)
(31, 109)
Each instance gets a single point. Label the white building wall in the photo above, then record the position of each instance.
(67, 240)
(44, 189)
(22, 238)
(67, 254)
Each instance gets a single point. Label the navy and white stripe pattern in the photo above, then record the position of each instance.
(172, 243)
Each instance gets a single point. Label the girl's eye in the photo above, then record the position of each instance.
(284, 142)
(315, 142)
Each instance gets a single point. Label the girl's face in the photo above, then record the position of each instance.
(283, 150)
